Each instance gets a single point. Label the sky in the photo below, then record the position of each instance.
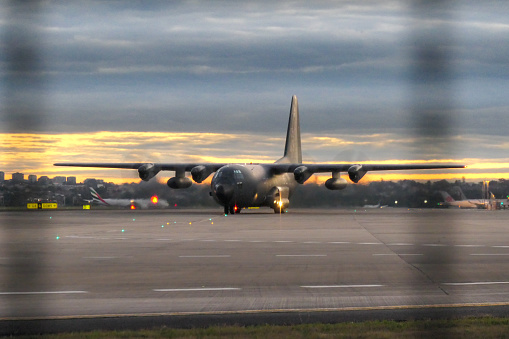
(158, 81)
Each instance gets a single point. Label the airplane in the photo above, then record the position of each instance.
(463, 203)
(237, 186)
(129, 203)
(379, 205)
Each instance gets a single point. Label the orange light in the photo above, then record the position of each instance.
(154, 199)
(236, 208)
(133, 207)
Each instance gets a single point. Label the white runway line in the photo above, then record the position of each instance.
(434, 245)
(369, 243)
(477, 283)
(396, 254)
(341, 286)
(205, 256)
(301, 255)
(196, 289)
(43, 292)
(500, 246)
(489, 254)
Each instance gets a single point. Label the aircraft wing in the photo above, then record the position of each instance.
(355, 171)
(146, 171)
(137, 165)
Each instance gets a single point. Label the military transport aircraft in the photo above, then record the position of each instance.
(236, 186)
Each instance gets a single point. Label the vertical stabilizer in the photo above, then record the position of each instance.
(293, 152)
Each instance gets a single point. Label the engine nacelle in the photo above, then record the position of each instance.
(147, 171)
(200, 173)
(301, 174)
(178, 183)
(355, 172)
(336, 184)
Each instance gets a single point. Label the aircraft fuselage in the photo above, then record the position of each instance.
(251, 186)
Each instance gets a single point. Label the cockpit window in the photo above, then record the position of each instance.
(238, 175)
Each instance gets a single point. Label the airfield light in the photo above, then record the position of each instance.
(154, 199)
(133, 207)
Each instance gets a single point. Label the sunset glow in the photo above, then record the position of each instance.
(36, 153)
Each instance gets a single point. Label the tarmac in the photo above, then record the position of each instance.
(119, 269)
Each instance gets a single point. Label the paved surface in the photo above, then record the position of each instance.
(159, 263)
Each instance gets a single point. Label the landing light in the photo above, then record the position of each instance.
(154, 199)
(133, 207)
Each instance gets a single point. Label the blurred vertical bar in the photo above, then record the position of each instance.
(23, 112)
(432, 113)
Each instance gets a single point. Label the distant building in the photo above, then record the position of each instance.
(44, 180)
(18, 177)
(59, 180)
(71, 181)
(32, 179)
(2, 176)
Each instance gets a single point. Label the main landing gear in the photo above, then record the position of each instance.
(231, 210)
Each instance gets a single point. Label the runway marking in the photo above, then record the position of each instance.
(203, 289)
(256, 241)
(163, 239)
(470, 245)
(43, 292)
(434, 245)
(79, 237)
(489, 254)
(396, 254)
(311, 242)
(233, 240)
(341, 286)
(369, 243)
(206, 256)
(301, 255)
(477, 283)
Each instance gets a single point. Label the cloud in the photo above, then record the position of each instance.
(226, 68)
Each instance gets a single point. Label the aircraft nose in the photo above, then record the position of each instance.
(224, 192)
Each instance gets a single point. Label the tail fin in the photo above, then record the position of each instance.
(96, 196)
(293, 152)
(446, 196)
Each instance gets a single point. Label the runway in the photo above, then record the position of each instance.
(72, 264)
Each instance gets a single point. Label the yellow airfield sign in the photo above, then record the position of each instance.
(42, 205)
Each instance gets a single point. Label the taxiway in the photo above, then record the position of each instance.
(92, 264)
